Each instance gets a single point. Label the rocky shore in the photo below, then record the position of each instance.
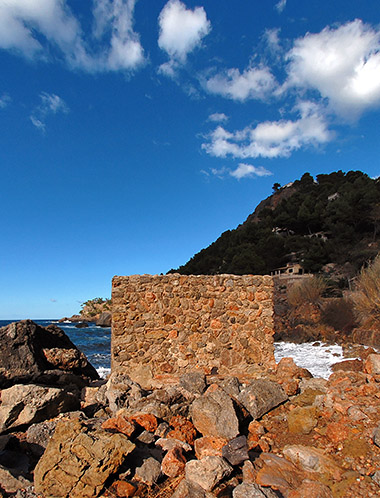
(66, 434)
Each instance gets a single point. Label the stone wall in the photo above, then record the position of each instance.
(169, 324)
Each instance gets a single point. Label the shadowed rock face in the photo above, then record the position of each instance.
(31, 353)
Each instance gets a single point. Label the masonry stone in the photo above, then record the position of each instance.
(173, 324)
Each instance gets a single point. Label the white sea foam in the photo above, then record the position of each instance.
(317, 359)
(103, 372)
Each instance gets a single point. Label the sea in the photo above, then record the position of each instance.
(95, 343)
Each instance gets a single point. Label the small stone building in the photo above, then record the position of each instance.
(170, 324)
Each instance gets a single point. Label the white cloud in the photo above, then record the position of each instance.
(50, 104)
(218, 117)
(115, 19)
(34, 28)
(280, 6)
(181, 30)
(253, 83)
(342, 64)
(248, 170)
(272, 138)
(5, 100)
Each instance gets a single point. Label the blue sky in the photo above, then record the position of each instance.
(133, 133)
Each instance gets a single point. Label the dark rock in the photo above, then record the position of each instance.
(104, 320)
(38, 435)
(236, 450)
(193, 382)
(261, 396)
(31, 353)
(376, 436)
(79, 459)
(81, 325)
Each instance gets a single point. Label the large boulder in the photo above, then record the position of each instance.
(23, 405)
(78, 460)
(261, 396)
(213, 414)
(34, 354)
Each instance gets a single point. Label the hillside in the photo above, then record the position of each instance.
(334, 218)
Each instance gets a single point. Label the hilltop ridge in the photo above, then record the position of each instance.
(330, 219)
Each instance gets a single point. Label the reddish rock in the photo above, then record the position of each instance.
(279, 474)
(255, 431)
(311, 489)
(146, 420)
(123, 489)
(289, 375)
(337, 431)
(173, 463)
(249, 474)
(119, 424)
(184, 430)
(209, 446)
(348, 366)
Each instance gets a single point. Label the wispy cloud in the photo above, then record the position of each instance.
(280, 6)
(181, 31)
(243, 170)
(272, 138)
(5, 100)
(218, 117)
(37, 29)
(254, 83)
(49, 104)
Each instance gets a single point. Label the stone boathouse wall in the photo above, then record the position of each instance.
(170, 324)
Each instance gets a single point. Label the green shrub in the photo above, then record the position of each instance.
(367, 294)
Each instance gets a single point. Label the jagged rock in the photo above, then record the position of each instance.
(30, 353)
(207, 472)
(187, 489)
(121, 390)
(261, 396)
(209, 446)
(23, 405)
(167, 444)
(230, 385)
(376, 436)
(38, 435)
(193, 382)
(104, 320)
(376, 477)
(310, 459)
(173, 463)
(372, 364)
(213, 414)
(236, 450)
(279, 473)
(10, 482)
(146, 437)
(78, 460)
(183, 429)
(251, 490)
(149, 472)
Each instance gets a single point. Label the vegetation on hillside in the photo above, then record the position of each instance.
(333, 218)
(95, 306)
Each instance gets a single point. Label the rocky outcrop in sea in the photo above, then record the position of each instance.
(282, 434)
